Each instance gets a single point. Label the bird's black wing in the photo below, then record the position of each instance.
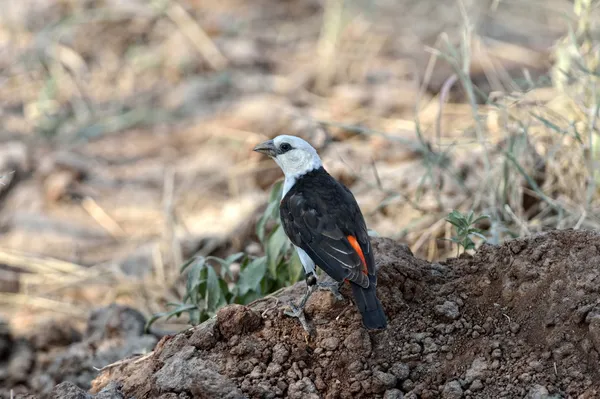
(321, 216)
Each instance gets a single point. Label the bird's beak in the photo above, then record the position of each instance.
(267, 148)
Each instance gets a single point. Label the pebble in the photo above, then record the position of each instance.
(477, 370)
(514, 327)
(384, 381)
(330, 343)
(408, 385)
(393, 394)
(400, 370)
(280, 353)
(452, 390)
(273, 369)
(537, 392)
(476, 386)
(448, 310)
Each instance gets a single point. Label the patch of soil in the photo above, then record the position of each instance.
(518, 320)
(56, 352)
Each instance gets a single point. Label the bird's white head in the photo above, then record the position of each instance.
(293, 155)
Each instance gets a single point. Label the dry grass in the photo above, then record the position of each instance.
(127, 111)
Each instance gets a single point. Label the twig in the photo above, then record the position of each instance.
(190, 28)
(517, 219)
(40, 265)
(102, 218)
(133, 360)
(444, 93)
(328, 40)
(43, 303)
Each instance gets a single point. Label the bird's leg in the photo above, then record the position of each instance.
(334, 287)
(298, 311)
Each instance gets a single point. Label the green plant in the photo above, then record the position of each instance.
(465, 229)
(211, 284)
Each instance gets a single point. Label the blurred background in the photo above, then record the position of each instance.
(127, 128)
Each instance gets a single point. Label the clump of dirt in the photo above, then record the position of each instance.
(518, 320)
(56, 352)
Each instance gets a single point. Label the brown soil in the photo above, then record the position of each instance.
(55, 352)
(518, 320)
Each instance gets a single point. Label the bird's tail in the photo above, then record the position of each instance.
(369, 306)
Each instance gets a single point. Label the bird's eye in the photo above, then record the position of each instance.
(284, 147)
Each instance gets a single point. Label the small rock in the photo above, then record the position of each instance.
(303, 389)
(115, 321)
(514, 327)
(357, 341)
(477, 370)
(111, 391)
(205, 335)
(448, 310)
(355, 367)
(280, 353)
(330, 343)
(452, 390)
(408, 385)
(537, 392)
(393, 394)
(400, 370)
(257, 372)
(237, 320)
(68, 390)
(383, 381)
(355, 387)
(273, 369)
(429, 346)
(476, 386)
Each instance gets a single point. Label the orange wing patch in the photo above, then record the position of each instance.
(359, 251)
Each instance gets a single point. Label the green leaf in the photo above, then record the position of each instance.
(213, 296)
(226, 263)
(249, 297)
(171, 313)
(478, 234)
(271, 212)
(276, 191)
(252, 275)
(186, 264)
(196, 276)
(480, 218)
(295, 268)
(267, 215)
(275, 246)
(457, 219)
(468, 243)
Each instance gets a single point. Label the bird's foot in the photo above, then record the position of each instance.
(298, 312)
(334, 287)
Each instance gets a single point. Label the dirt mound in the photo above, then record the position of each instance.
(55, 352)
(519, 320)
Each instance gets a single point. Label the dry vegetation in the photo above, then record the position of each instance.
(129, 127)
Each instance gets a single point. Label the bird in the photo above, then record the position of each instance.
(324, 222)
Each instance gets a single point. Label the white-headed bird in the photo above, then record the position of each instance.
(322, 219)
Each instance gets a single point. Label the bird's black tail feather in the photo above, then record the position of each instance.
(369, 306)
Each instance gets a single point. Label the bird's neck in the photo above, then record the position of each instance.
(288, 183)
(291, 179)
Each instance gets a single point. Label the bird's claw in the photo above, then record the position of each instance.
(294, 311)
(298, 313)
